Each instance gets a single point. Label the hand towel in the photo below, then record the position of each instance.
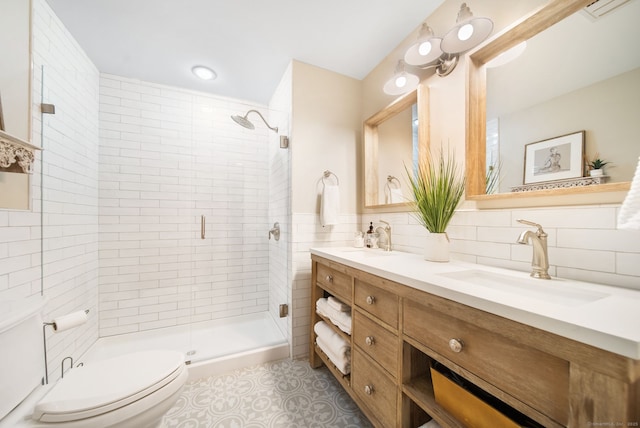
(338, 305)
(629, 215)
(329, 205)
(395, 196)
(343, 364)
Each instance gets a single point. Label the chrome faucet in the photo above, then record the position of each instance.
(540, 262)
(387, 233)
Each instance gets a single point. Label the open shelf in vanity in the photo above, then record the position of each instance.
(400, 333)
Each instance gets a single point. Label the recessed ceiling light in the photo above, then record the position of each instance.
(204, 73)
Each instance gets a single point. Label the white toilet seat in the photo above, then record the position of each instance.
(98, 390)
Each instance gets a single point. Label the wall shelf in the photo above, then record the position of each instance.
(15, 150)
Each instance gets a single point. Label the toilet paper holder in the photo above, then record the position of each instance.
(53, 323)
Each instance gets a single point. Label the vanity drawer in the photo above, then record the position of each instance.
(532, 376)
(375, 389)
(337, 283)
(377, 342)
(378, 302)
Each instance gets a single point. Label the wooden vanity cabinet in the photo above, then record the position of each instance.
(399, 333)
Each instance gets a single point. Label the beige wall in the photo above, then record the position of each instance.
(618, 97)
(325, 134)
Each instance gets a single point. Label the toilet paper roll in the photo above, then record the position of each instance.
(68, 321)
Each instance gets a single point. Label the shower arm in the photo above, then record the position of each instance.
(275, 129)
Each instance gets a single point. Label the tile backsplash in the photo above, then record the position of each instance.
(583, 242)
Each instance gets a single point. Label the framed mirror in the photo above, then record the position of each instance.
(15, 100)
(577, 73)
(394, 137)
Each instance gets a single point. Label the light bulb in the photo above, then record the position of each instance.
(424, 48)
(401, 81)
(465, 32)
(204, 73)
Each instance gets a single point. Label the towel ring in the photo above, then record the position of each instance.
(328, 174)
(391, 179)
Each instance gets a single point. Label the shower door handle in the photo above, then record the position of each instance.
(202, 227)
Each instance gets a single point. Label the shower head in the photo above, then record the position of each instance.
(243, 121)
(246, 123)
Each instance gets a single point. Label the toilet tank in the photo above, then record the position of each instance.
(21, 350)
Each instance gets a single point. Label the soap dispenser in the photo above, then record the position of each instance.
(369, 235)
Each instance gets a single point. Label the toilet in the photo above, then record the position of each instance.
(131, 390)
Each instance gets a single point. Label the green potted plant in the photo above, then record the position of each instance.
(437, 186)
(596, 166)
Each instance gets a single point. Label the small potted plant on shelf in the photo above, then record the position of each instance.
(437, 186)
(596, 166)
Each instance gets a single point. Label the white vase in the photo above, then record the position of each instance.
(436, 247)
(595, 172)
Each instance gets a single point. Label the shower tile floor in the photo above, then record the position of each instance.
(284, 393)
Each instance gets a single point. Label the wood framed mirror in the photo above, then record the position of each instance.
(394, 137)
(553, 14)
(15, 97)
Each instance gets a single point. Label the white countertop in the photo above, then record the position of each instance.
(599, 315)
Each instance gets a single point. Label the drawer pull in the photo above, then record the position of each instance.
(368, 389)
(329, 278)
(369, 340)
(456, 345)
(371, 300)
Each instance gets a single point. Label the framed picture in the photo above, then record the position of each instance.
(557, 158)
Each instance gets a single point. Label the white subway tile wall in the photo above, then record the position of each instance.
(168, 157)
(583, 241)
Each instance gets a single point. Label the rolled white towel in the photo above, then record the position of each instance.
(342, 363)
(321, 307)
(431, 424)
(338, 305)
(338, 345)
(341, 319)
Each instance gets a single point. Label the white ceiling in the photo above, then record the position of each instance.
(249, 43)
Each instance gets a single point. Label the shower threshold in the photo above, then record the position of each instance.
(210, 347)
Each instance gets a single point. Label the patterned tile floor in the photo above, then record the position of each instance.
(279, 394)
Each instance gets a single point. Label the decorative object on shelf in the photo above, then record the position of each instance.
(554, 159)
(561, 184)
(629, 215)
(13, 149)
(437, 186)
(441, 53)
(596, 166)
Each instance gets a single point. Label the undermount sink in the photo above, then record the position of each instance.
(550, 291)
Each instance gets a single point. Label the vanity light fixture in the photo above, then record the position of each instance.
(204, 73)
(401, 82)
(443, 53)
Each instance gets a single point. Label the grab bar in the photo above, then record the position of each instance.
(202, 226)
